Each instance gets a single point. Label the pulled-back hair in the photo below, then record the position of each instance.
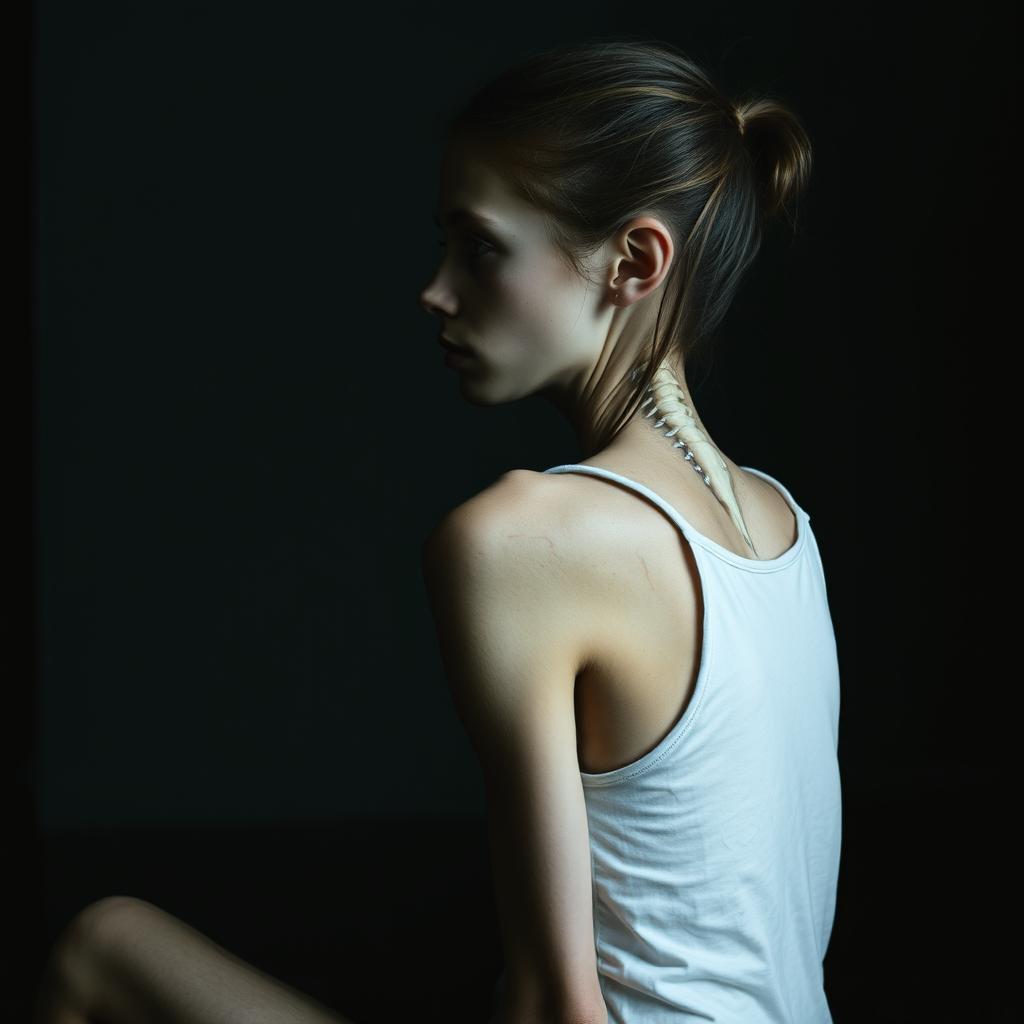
(595, 133)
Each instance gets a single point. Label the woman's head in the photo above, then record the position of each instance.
(629, 197)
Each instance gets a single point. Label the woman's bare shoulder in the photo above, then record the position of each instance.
(511, 496)
(527, 512)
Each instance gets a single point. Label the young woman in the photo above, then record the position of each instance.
(639, 644)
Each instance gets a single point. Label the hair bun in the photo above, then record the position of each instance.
(779, 148)
(739, 112)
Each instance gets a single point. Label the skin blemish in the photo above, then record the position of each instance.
(647, 572)
(533, 536)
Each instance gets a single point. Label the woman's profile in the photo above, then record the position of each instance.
(639, 644)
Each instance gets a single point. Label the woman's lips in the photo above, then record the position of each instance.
(457, 357)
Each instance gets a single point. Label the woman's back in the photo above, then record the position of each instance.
(707, 730)
(646, 651)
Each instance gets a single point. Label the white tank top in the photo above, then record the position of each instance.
(715, 856)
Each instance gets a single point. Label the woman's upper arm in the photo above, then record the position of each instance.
(511, 644)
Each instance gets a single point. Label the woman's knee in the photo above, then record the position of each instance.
(95, 920)
(77, 953)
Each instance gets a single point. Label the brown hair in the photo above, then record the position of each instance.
(597, 132)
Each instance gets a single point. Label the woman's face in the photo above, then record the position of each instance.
(501, 290)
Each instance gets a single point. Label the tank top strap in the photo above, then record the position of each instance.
(690, 532)
(670, 510)
(797, 508)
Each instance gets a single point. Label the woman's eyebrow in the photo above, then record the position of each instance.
(460, 215)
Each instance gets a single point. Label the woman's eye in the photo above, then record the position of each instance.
(480, 247)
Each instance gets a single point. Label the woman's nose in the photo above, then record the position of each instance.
(431, 301)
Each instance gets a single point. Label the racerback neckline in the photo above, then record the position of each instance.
(692, 534)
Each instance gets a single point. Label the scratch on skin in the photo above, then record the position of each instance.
(533, 536)
(647, 572)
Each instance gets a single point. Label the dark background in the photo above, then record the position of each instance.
(242, 433)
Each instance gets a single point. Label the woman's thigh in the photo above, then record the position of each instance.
(129, 961)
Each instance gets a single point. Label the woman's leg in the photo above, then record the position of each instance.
(123, 960)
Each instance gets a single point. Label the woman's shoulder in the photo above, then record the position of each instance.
(605, 569)
(514, 546)
(519, 498)
(526, 498)
(531, 518)
(550, 525)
